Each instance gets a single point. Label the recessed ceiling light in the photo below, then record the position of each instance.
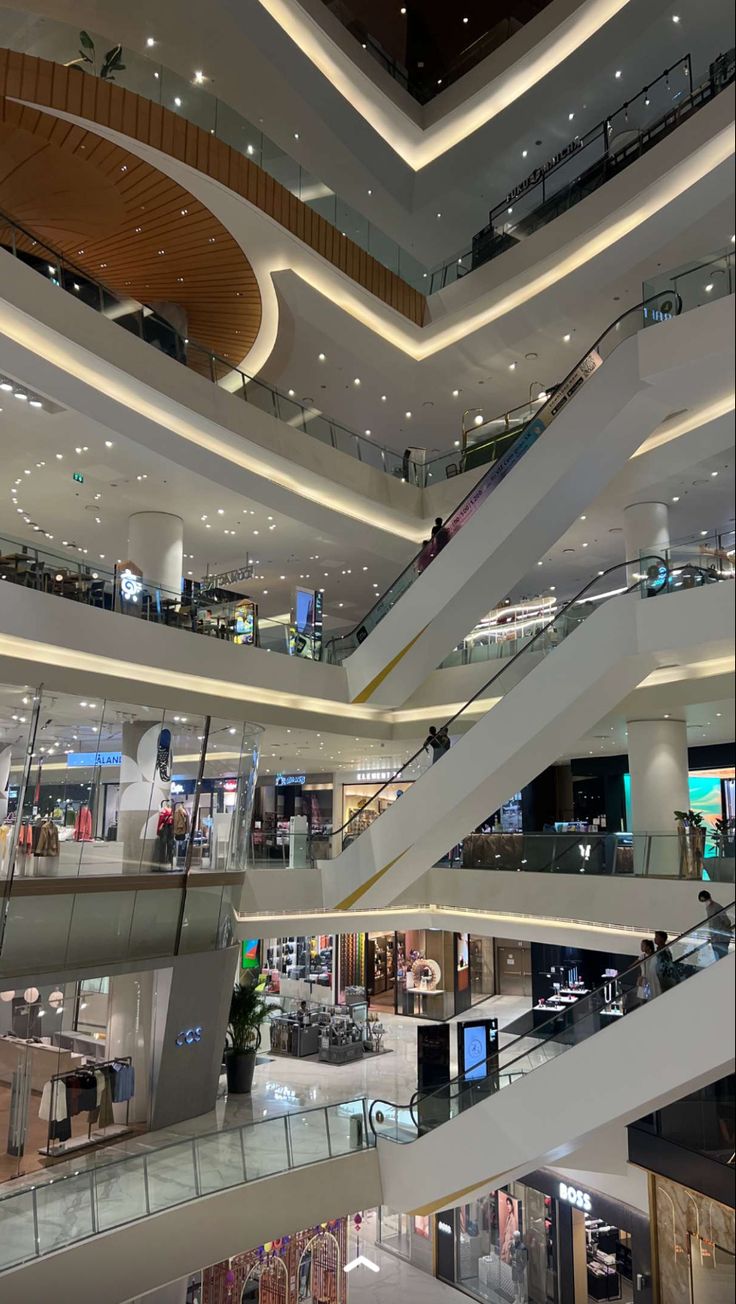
(368, 433)
(566, 339)
(675, 18)
(383, 398)
(291, 393)
(570, 117)
(35, 403)
(618, 74)
(356, 381)
(708, 288)
(150, 42)
(408, 416)
(676, 498)
(714, 474)
(199, 77)
(321, 357)
(512, 366)
(177, 101)
(478, 421)
(296, 135)
(524, 153)
(455, 393)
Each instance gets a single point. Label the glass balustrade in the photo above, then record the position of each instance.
(110, 1192)
(654, 855)
(573, 1019)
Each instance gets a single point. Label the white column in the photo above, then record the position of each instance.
(646, 530)
(659, 786)
(156, 545)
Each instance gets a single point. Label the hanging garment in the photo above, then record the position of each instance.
(48, 840)
(83, 825)
(122, 1081)
(105, 1116)
(164, 850)
(53, 1101)
(181, 821)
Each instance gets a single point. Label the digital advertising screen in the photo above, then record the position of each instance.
(249, 956)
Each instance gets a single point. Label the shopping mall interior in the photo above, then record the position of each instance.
(366, 386)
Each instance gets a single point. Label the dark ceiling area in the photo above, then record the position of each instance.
(428, 44)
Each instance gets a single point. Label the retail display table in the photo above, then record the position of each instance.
(44, 1060)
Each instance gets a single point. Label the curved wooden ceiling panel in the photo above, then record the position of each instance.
(128, 225)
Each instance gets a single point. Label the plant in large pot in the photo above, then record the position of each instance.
(691, 832)
(248, 1010)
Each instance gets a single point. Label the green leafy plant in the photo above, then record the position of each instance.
(690, 819)
(724, 830)
(111, 61)
(248, 1011)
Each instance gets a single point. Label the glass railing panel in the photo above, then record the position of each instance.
(17, 1229)
(36, 932)
(154, 923)
(308, 1137)
(220, 1161)
(347, 1127)
(120, 1193)
(266, 1148)
(202, 913)
(65, 1212)
(99, 930)
(171, 1176)
(701, 282)
(320, 427)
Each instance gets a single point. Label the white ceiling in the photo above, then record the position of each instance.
(94, 515)
(480, 367)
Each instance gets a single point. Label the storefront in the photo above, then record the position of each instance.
(68, 1059)
(278, 798)
(422, 973)
(109, 787)
(545, 1241)
(291, 1270)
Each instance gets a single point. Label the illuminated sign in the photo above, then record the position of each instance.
(578, 1199)
(77, 760)
(249, 953)
(189, 1037)
(224, 578)
(290, 780)
(538, 173)
(130, 586)
(444, 1227)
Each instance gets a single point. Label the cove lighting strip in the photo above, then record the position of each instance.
(419, 146)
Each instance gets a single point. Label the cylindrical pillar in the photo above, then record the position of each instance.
(156, 545)
(658, 767)
(646, 530)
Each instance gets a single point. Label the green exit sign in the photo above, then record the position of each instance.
(77, 475)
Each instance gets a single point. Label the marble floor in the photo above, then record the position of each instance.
(397, 1279)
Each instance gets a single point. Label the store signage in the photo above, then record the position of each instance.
(78, 760)
(579, 1199)
(77, 475)
(290, 780)
(538, 173)
(130, 586)
(224, 578)
(177, 788)
(189, 1037)
(375, 776)
(444, 1227)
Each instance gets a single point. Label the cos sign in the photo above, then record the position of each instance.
(189, 1037)
(579, 1199)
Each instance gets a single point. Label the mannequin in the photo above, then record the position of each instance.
(519, 1264)
(165, 835)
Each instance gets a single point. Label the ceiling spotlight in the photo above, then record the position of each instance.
(383, 398)
(676, 498)
(524, 153)
(35, 403)
(675, 18)
(321, 357)
(198, 78)
(455, 393)
(618, 74)
(714, 474)
(177, 101)
(478, 421)
(408, 416)
(512, 366)
(570, 117)
(356, 380)
(566, 339)
(150, 42)
(708, 288)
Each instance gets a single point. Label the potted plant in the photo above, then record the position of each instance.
(691, 832)
(248, 1010)
(110, 63)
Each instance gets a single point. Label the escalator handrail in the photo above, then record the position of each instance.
(676, 310)
(491, 1061)
(571, 602)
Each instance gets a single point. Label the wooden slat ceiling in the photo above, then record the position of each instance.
(38, 81)
(128, 225)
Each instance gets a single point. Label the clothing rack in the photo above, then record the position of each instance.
(52, 1145)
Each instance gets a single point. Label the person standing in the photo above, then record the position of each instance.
(433, 744)
(721, 929)
(440, 535)
(665, 968)
(647, 984)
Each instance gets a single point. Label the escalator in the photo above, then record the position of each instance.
(501, 1117)
(591, 425)
(594, 651)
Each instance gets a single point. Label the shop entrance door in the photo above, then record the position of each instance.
(513, 968)
(712, 1272)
